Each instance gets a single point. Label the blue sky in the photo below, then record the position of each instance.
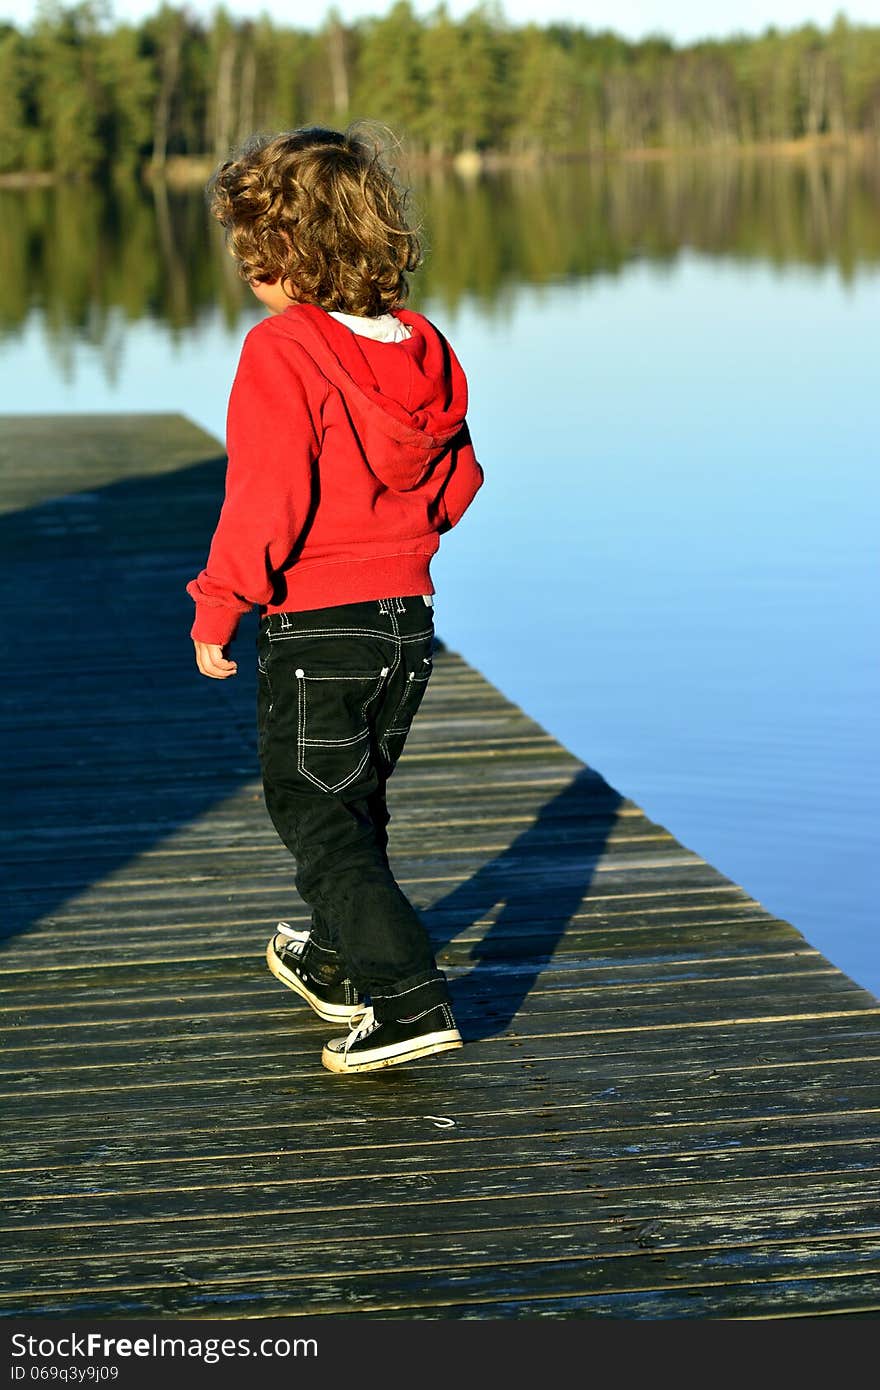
(683, 20)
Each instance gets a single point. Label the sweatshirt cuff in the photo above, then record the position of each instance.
(215, 625)
(215, 621)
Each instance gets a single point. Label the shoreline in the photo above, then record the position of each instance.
(186, 171)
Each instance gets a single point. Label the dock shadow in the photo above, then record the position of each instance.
(115, 741)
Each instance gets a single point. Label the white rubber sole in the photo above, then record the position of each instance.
(401, 1052)
(331, 1013)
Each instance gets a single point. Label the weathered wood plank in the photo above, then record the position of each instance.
(606, 1185)
(310, 1175)
(539, 1016)
(686, 1207)
(558, 989)
(424, 1285)
(185, 1158)
(750, 1236)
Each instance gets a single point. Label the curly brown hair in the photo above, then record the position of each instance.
(319, 210)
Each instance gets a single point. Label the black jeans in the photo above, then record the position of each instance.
(337, 691)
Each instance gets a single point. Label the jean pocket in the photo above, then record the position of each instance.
(414, 688)
(333, 733)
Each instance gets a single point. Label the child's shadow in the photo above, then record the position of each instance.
(537, 884)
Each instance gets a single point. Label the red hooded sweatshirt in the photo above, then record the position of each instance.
(347, 459)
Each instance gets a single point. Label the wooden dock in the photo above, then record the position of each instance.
(668, 1105)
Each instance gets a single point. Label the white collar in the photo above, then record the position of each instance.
(385, 328)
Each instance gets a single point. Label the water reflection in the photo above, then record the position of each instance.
(93, 258)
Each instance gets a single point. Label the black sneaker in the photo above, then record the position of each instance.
(372, 1044)
(336, 1003)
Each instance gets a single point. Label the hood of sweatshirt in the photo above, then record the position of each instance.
(407, 399)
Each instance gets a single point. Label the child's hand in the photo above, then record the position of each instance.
(211, 661)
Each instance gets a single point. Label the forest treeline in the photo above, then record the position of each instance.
(82, 94)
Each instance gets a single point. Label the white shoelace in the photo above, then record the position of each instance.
(367, 1024)
(297, 937)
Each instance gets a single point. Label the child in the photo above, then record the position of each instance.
(348, 456)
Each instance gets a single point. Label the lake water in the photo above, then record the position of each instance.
(674, 396)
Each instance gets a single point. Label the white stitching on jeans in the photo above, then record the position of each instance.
(302, 742)
(394, 727)
(398, 657)
(400, 993)
(398, 638)
(354, 632)
(336, 742)
(336, 631)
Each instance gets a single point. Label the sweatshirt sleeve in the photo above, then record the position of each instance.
(464, 481)
(271, 444)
